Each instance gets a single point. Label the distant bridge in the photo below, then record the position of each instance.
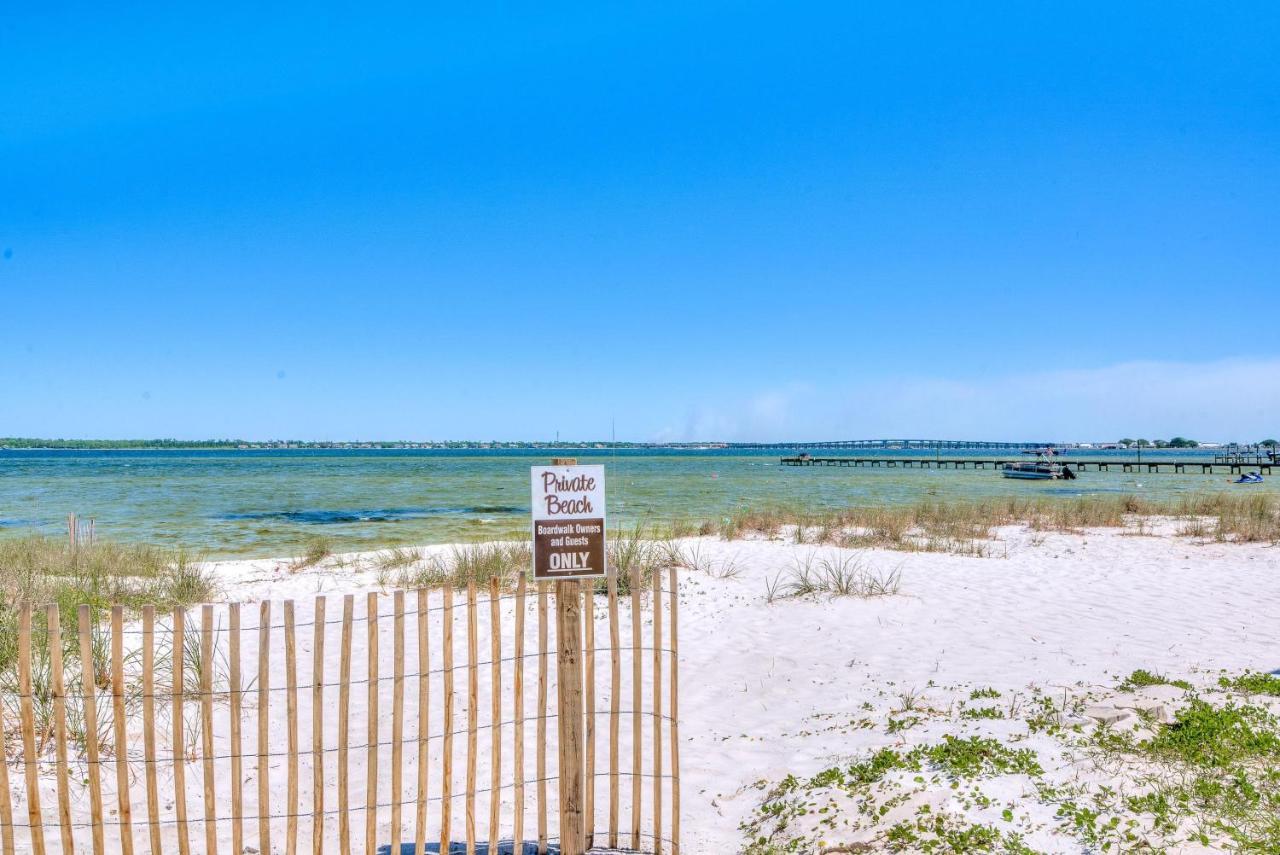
(907, 444)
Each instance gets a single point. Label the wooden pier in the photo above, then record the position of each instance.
(1230, 467)
(897, 445)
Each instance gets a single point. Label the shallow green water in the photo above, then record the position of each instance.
(272, 502)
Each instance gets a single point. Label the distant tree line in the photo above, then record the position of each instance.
(86, 444)
(96, 444)
(1176, 442)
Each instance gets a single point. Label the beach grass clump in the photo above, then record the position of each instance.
(1196, 528)
(1229, 517)
(682, 528)
(834, 574)
(186, 582)
(766, 520)
(1248, 519)
(484, 561)
(1071, 515)
(41, 686)
(396, 564)
(460, 566)
(694, 557)
(316, 550)
(37, 570)
(635, 554)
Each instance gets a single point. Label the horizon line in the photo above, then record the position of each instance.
(52, 443)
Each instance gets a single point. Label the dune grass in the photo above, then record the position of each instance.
(460, 566)
(636, 552)
(833, 574)
(317, 549)
(37, 570)
(968, 527)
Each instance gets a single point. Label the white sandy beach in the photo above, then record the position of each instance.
(792, 686)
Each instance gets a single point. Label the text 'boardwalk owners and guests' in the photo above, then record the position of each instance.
(568, 522)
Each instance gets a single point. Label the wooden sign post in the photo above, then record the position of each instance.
(568, 547)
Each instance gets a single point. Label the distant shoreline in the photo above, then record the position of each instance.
(16, 444)
(48, 444)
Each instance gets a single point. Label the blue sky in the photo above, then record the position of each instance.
(706, 221)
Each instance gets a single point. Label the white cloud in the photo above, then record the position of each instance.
(1233, 399)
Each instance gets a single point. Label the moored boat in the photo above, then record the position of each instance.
(1040, 470)
(1044, 469)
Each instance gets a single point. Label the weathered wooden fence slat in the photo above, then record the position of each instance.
(317, 728)
(636, 582)
(397, 717)
(30, 761)
(234, 727)
(344, 727)
(149, 725)
(264, 726)
(473, 717)
(291, 726)
(615, 700)
(206, 732)
(517, 759)
(424, 707)
(495, 714)
(657, 713)
(371, 763)
(674, 711)
(177, 655)
(446, 768)
(53, 622)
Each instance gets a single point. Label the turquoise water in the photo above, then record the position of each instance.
(271, 502)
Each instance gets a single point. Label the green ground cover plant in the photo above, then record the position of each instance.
(1210, 776)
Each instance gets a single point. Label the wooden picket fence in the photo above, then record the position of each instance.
(190, 696)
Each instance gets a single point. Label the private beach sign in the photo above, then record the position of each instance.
(568, 522)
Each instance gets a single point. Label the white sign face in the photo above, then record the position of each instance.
(568, 522)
